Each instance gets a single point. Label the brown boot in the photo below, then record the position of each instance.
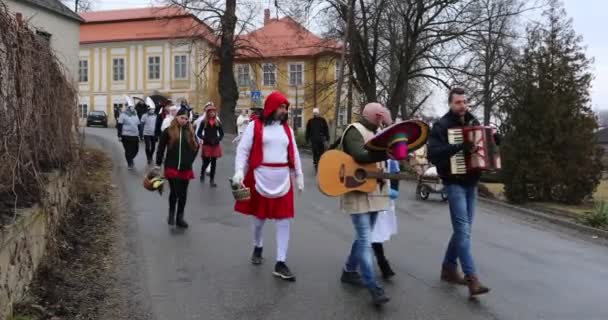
(475, 287)
(450, 274)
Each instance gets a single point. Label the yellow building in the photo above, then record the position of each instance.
(282, 55)
(138, 52)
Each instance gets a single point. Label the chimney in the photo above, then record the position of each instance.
(266, 16)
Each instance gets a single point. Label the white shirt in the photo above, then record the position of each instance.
(270, 182)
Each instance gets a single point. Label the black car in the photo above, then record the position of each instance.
(97, 118)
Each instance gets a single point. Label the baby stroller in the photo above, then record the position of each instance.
(429, 183)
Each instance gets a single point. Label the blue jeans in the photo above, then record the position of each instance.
(361, 252)
(462, 209)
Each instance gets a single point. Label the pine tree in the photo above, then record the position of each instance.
(549, 146)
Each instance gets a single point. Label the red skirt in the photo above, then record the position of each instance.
(262, 207)
(173, 173)
(208, 151)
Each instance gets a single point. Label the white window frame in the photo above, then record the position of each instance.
(183, 67)
(243, 72)
(292, 114)
(292, 81)
(118, 75)
(271, 74)
(156, 66)
(342, 116)
(83, 110)
(83, 70)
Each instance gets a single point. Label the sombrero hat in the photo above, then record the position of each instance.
(402, 137)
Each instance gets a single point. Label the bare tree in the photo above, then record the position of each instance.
(225, 29)
(80, 5)
(491, 50)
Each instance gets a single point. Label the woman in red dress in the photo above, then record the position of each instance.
(210, 132)
(181, 149)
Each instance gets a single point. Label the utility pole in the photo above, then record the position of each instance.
(345, 43)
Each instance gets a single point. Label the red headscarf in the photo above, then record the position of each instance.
(273, 102)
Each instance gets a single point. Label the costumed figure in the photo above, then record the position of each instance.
(128, 132)
(266, 158)
(210, 133)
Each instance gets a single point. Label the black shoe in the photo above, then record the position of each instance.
(256, 257)
(212, 184)
(352, 278)
(180, 222)
(378, 296)
(171, 219)
(385, 268)
(282, 271)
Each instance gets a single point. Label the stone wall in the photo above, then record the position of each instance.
(23, 244)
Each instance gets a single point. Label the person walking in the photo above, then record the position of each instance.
(317, 135)
(128, 132)
(148, 122)
(363, 207)
(386, 224)
(266, 157)
(461, 190)
(210, 133)
(178, 142)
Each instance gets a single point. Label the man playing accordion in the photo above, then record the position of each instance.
(461, 190)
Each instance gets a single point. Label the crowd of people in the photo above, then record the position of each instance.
(268, 163)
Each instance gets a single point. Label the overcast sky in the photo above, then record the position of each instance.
(590, 18)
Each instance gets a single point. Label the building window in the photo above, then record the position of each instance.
(342, 116)
(83, 71)
(153, 68)
(296, 74)
(44, 37)
(242, 72)
(296, 118)
(118, 66)
(181, 67)
(83, 110)
(270, 74)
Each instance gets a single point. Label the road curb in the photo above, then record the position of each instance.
(559, 220)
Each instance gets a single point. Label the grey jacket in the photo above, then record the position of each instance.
(149, 123)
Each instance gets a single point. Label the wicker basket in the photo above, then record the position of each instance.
(240, 192)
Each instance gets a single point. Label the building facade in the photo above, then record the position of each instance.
(55, 23)
(282, 55)
(140, 52)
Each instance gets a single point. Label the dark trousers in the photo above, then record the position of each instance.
(131, 146)
(178, 195)
(141, 131)
(318, 147)
(206, 162)
(150, 146)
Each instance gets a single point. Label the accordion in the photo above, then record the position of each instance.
(486, 155)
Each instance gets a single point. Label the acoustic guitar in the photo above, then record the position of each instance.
(338, 174)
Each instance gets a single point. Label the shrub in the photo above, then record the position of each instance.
(598, 218)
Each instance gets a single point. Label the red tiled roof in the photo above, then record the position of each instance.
(132, 14)
(141, 24)
(283, 38)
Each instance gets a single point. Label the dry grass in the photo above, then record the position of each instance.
(76, 277)
(600, 194)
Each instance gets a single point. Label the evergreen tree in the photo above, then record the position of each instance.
(549, 146)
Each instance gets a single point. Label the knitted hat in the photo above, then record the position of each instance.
(182, 112)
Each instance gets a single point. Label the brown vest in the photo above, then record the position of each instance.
(360, 202)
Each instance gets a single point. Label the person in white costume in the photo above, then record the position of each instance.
(167, 121)
(386, 224)
(266, 158)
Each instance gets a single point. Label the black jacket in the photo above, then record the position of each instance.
(210, 135)
(317, 130)
(159, 124)
(180, 156)
(440, 151)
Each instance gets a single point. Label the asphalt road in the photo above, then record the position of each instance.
(535, 270)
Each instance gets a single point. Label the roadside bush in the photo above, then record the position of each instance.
(598, 218)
